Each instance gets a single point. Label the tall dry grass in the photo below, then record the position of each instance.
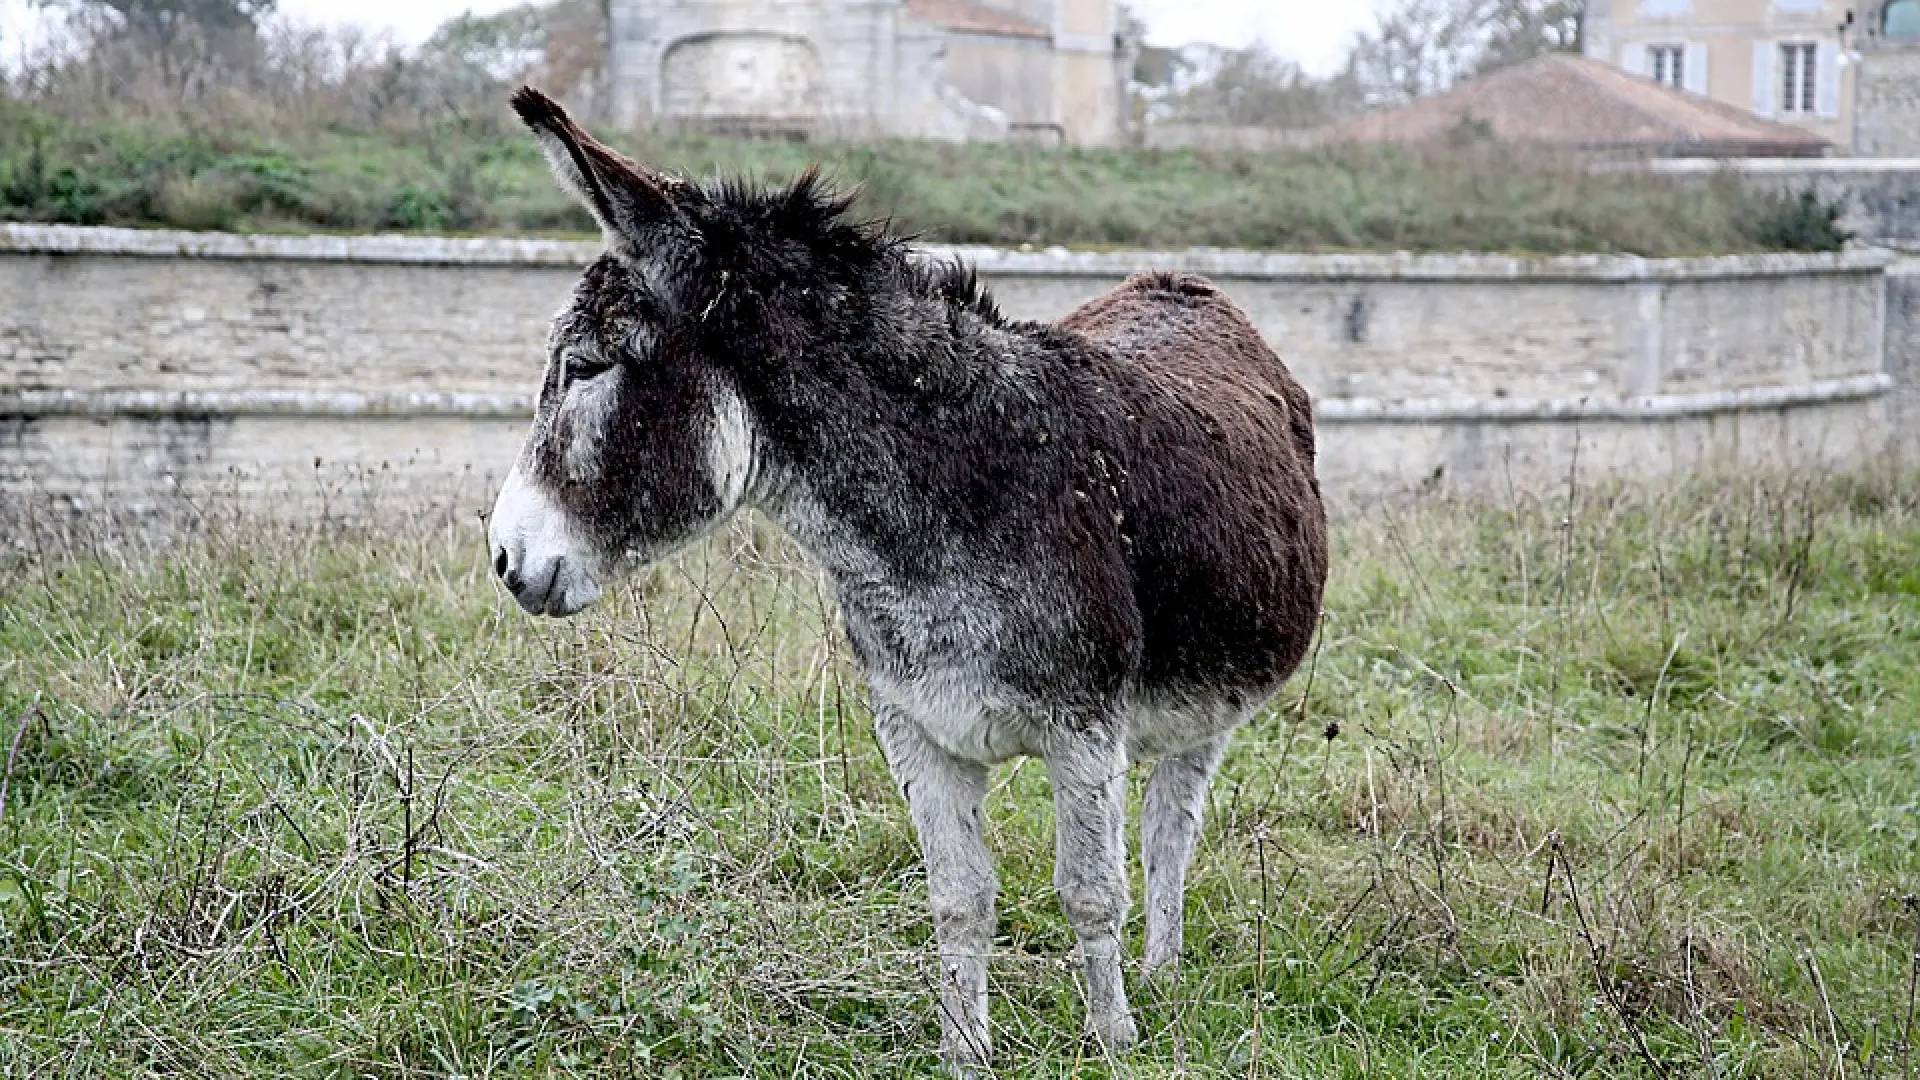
(1611, 783)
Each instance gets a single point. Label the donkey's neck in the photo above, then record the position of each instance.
(848, 435)
(834, 540)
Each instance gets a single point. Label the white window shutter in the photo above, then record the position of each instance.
(1827, 93)
(1633, 59)
(1696, 68)
(1766, 94)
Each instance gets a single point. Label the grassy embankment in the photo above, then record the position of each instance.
(1636, 796)
(468, 177)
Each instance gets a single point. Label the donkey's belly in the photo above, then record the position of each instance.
(975, 720)
(1155, 730)
(965, 713)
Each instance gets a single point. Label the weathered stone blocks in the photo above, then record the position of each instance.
(151, 371)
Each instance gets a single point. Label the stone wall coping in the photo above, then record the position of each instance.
(25, 239)
(221, 403)
(218, 404)
(1782, 166)
(1597, 408)
(1404, 266)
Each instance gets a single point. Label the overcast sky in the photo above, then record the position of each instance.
(1313, 32)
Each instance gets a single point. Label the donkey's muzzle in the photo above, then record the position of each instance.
(530, 548)
(555, 585)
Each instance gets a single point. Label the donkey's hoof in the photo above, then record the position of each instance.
(1117, 1033)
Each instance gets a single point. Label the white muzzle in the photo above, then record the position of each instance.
(536, 554)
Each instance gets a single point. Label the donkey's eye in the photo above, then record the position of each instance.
(581, 368)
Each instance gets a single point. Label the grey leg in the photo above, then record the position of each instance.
(1169, 829)
(1089, 773)
(944, 794)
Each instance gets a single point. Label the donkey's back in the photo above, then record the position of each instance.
(1223, 522)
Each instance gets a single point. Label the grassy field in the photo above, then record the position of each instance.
(1626, 786)
(485, 176)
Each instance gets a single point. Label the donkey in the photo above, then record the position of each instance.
(1098, 542)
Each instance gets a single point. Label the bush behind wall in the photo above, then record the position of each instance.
(463, 175)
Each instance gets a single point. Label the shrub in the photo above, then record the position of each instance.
(1803, 223)
(468, 176)
(417, 208)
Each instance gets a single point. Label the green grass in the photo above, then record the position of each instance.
(1636, 796)
(486, 176)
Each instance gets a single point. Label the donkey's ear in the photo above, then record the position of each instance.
(637, 209)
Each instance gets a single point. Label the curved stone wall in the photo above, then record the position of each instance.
(354, 376)
(1489, 375)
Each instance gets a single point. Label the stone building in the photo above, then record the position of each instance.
(1047, 70)
(1887, 93)
(1577, 103)
(1846, 70)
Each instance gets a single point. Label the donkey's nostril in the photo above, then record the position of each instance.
(509, 573)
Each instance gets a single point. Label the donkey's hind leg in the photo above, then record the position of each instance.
(1169, 829)
(944, 794)
(1088, 769)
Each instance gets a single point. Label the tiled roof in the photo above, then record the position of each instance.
(1566, 100)
(968, 17)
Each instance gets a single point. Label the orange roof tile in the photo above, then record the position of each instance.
(969, 17)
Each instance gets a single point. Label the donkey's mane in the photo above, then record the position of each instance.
(815, 215)
(955, 281)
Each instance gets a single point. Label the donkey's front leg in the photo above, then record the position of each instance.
(944, 794)
(1088, 769)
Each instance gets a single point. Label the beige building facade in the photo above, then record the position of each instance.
(1043, 70)
(1800, 62)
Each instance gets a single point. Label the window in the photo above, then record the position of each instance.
(1901, 19)
(1668, 65)
(1799, 77)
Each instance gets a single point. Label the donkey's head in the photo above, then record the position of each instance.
(640, 442)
